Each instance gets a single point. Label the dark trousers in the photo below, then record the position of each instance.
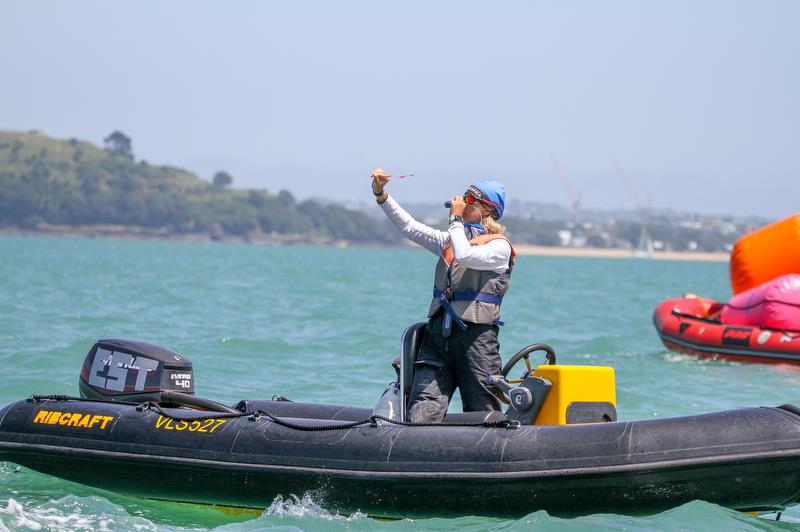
(463, 360)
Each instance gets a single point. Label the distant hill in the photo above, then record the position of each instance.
(72, 186)
(47, 183)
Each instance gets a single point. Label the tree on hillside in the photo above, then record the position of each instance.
(257, 198)
(119, 143)
(222, 179)
(286, 197)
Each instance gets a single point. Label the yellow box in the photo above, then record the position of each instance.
(574, 384)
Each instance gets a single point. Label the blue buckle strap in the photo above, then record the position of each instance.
(470, 295)
(487, 298)
(451, 313)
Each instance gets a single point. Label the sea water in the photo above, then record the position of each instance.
(322, 324)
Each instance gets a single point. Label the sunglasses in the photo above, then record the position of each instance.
(469, 199)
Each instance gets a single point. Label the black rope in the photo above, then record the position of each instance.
(39, 398)
(155, 407)
(503, 423)
(680, 314)
(312, 428)
(281, 399)
(372, 420)
(787, 332)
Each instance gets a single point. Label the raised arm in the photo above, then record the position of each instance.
(431, 239)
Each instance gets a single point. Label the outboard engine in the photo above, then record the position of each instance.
(127, 370)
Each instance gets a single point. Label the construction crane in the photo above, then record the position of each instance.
(644, 248)
(574, 199)
(642, 206)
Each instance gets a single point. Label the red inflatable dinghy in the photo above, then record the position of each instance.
(689, 325)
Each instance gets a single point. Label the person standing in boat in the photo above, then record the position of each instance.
(460, 348)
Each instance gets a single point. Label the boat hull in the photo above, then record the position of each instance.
(683, 329)
(746, 459)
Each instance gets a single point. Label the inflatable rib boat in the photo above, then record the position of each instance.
(684, 327)
(138, 429)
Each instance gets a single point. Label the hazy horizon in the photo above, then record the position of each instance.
(696, 101)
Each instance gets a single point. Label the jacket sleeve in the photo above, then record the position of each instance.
(491, 256)
(431, 239)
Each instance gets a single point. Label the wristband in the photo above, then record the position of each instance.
(378, 194)
(455, 218)
(378, 198)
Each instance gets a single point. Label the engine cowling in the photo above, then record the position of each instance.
(129, 370)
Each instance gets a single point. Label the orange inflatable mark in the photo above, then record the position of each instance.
(765, 254)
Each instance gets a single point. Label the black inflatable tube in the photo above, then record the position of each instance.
(639, 491)
(52, 450)
(390, 470)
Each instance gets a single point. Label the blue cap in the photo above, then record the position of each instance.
(492, 192)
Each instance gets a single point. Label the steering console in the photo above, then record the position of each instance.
(525, 396)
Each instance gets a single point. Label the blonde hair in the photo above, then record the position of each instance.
(493, 227)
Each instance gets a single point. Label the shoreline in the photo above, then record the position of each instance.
(618, 253)
(141, 233)
(130, 233)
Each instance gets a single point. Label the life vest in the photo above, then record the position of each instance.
(472, 296)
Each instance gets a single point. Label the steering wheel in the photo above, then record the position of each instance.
(524, 353)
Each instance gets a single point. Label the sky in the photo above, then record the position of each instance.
(697, 101)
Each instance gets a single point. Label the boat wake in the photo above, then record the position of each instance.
(70, 514)
(294, 506)
(681, 358)
(293, 513)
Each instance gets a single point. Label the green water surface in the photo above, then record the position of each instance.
(322, 324)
